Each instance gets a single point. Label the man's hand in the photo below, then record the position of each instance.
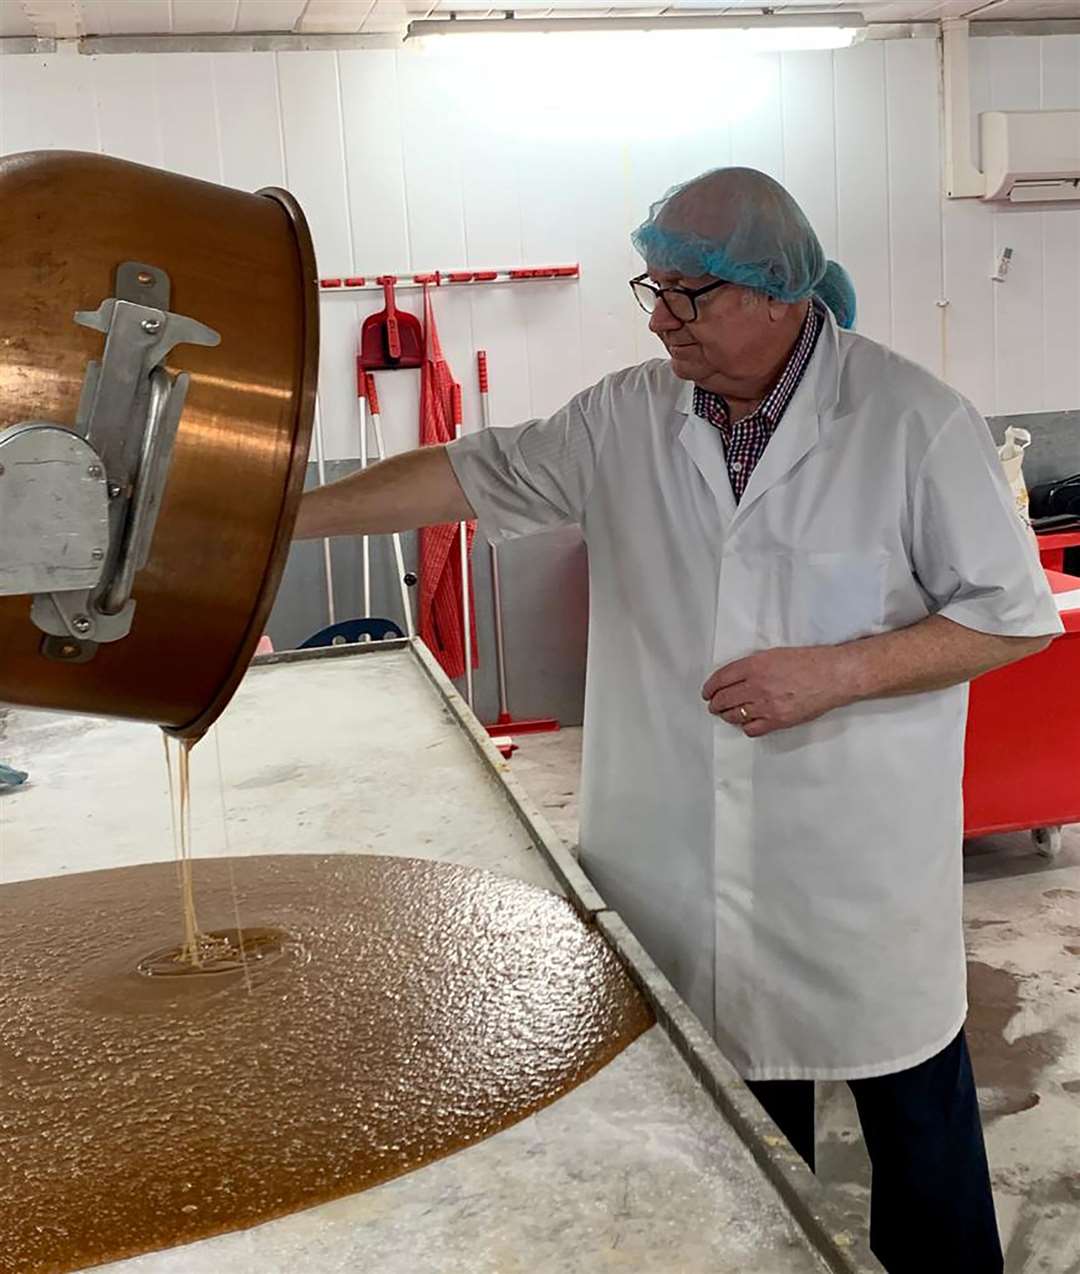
(776, 689)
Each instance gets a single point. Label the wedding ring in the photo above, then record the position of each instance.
(743, 714)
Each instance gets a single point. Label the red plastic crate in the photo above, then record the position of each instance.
(1022, 756)
(1052, 546)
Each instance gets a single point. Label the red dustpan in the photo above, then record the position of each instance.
(390, 339)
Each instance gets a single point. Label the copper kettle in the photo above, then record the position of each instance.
(158, 361)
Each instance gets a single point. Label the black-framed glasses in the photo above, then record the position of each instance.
(682, 303)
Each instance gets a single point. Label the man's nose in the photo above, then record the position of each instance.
(662, 320)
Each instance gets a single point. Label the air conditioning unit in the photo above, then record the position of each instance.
(1031, 156)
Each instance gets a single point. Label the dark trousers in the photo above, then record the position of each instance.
(931, 1209)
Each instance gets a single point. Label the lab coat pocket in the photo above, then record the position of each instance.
(836, 597)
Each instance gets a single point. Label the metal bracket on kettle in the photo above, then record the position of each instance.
(78, 509)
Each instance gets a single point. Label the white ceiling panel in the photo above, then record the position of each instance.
(334, 15)
(388, 16)
(138, 17)
(875, 10)
(204, 17)
(13, 22)
(50, 18)
(269, 15)
(95, 17)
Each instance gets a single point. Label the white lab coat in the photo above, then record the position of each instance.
(802, 891)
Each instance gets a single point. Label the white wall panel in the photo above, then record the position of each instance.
(550, 312)
(1061, 244)
(810, 140)
(757, 134)
(430, 104)
(314, 161)
(862, 185)
(609, 315)
(48, 104)
(914, 207)
(969, 264)
(374, 155)
(188, 114)
(374, 158)
(245, 91)
(125, 90)
(491, 195)
(1015, 85)
(405, 161)
(314, 164)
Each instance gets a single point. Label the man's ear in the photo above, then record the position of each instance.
(778, 310)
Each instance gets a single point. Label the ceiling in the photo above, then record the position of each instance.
(57, 19)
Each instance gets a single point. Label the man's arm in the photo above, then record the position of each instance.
(781, 688)
(417, 488)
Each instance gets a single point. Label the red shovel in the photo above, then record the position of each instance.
(390, 339)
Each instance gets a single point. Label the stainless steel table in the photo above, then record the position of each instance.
(661, 1162)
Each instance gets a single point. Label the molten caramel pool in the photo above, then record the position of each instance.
(371, 1014)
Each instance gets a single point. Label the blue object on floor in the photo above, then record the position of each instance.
(11, 778)
(350, 631)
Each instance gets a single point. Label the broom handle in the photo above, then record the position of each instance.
(320, 464)
(463, 541)
(493, 554)
(399, 557)
(365, 547)
(393, 335)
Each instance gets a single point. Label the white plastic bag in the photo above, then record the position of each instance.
(1011, 453)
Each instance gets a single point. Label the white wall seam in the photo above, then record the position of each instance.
(836, 151)
(783, 139)
(215, 102)
(888, 197)
(99, 141)
(345, 191)
(280, 121)
(404, 167)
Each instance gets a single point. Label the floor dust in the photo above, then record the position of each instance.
(1011, 925)
(1011, 1069)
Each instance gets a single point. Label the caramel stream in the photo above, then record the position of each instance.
(199, 952)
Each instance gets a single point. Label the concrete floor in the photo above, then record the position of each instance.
(1022, 923)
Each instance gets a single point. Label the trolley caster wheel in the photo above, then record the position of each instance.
(1047, 841)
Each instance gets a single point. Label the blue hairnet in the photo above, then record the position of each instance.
(836, 290)
(739, 225)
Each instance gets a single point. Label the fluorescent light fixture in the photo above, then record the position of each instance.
(768, 32)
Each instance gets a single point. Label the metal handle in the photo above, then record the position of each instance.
(153, 462)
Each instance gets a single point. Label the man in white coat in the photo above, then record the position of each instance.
(801, 550)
